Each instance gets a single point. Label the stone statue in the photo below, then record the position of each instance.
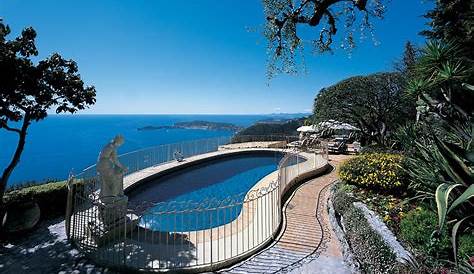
(110, 170)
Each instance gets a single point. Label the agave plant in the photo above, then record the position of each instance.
(439, 80)
(458, 164)
(447, 153)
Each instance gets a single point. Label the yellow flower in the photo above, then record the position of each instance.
(390, 205)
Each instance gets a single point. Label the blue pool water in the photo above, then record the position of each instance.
(207, 185)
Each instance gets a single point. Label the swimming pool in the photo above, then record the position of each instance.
(193, 190)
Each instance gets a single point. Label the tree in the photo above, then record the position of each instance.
(406, 65)
(453, 20)
(284, 17)
(29, 90)
(374, 103)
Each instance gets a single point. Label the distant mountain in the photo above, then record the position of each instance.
(205, 125)
(274, 120)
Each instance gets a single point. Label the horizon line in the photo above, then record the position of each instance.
(241, 114)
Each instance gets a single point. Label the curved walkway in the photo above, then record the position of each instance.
(306, 234)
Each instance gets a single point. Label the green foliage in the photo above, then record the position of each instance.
(417, 227)
(443, 160)
(406, 66)
(342, 200)
(374, 148)
(270, 129)
(367, 245)
(284, 18)
(375, 103)
(453, 20)
(419, 161)
(455, 166)
(466, 246)
(30, 89)
(51, 197)
(376, 171)
(391, 208)
(438, 83)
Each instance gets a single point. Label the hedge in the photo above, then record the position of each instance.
(51, 198)
(368, 247)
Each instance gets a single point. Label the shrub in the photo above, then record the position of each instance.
(342, 200)
(417, 228)
(377, 171)
(466, 246)
(51, 197)
(367, 245)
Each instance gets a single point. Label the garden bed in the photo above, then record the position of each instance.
(369, 246)
(377, 181)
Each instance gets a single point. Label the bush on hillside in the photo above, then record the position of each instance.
(375, 171)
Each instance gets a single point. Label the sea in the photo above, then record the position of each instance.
(66, 144)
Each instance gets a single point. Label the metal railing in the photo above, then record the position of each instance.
(148, 157)
(199, 236)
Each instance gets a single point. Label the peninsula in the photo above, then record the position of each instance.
(205, 125)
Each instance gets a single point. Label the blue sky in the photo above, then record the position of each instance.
(196, 56)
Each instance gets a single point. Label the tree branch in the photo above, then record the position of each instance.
(3, 124)
(319, 10)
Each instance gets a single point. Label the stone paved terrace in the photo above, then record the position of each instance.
(307, 243)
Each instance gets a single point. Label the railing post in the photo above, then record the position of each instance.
(298, 163)
(210, 242)
(71, 194)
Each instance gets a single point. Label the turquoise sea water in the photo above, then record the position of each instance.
(68, 143)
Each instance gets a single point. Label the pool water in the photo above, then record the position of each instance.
(190, 192)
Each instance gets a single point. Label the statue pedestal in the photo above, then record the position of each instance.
(114, 224)
(113, 210)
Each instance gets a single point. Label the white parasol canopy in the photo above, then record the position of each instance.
(311, 128)
(333, 124)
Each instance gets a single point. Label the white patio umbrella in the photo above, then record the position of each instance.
(333, 124)
(311, 128)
